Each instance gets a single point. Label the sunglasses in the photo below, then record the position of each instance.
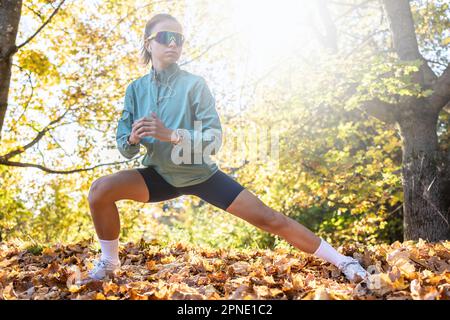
(165, 37)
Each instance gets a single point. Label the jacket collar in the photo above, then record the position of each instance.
(165, 75)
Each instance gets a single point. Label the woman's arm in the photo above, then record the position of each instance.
(207, 132)
(124, 127)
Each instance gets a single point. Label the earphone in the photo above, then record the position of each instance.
(169, 86)
(171, 89)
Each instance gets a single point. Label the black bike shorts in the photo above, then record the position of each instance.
(219, 190)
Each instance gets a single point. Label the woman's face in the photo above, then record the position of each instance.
(164, 55)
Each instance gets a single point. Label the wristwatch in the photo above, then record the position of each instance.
(181, 136)
(131, 144)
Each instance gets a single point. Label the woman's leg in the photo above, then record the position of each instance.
(248, 207)
(141, 184)
(224, 192)
(105, 191)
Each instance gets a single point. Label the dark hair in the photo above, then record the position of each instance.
(146, 56)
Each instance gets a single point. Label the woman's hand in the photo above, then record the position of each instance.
(152, 127)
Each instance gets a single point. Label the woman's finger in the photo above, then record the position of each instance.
(136, 125)
(141, 122)
(140, 130)
(144, 134)
(145, 131)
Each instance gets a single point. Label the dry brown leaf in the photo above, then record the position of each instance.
(408, 270)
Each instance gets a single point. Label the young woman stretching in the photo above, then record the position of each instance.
(159, 112)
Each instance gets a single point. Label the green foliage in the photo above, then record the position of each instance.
(38, 63)
(14, 216)
(338, 168)
(338, 172)
(204, 225)
(57, 221)
(35, 249)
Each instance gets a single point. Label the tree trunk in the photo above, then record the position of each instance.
(10, 11)
(425, 205)
(425, 212)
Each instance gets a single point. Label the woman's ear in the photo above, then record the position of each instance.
(147, 47)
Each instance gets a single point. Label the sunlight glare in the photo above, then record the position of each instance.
(270, 29)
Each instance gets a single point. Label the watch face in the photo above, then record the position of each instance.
(182, 133)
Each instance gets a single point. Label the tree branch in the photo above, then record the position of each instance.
(35, 140)
(381, 110)
(404, 38)
(329, 39)
(28, 73)
(38, 14)
(402, 26)
(13, 49)
(352, 8)
(5, 162)
(208, 47)
(42, 26)
(441, 91)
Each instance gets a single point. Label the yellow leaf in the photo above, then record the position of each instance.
(74, 288)
(99, 296)
(446, 41)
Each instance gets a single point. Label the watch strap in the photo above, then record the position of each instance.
(131, 144)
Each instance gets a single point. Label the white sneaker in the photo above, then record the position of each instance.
(353, 270)
(102, 269)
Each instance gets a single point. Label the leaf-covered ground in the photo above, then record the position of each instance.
(409, 270)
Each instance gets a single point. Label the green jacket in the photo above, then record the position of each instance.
(182, 99)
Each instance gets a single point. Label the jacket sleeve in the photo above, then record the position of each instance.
(124, 126)
(207, 132)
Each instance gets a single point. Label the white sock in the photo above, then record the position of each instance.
(110, 250)
(329, 254)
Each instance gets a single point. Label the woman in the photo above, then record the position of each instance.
(159, 112)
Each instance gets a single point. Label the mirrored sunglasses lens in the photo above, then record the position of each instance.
(166, 37)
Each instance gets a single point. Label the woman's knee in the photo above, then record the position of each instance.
(272, 220)
(99, 191)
